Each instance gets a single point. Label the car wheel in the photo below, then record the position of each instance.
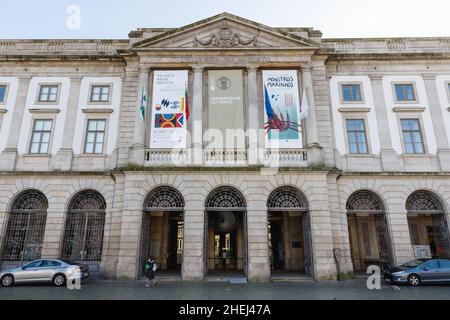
(7, 280)
(59, 280)
(414, 280)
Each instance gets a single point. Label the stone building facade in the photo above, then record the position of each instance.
(370, 185)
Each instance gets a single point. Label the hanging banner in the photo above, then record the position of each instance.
(226, 107)
(282, 121)
(169, 108)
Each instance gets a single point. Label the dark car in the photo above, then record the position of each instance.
(420, 271)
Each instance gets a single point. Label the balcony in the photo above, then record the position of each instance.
(294, 158)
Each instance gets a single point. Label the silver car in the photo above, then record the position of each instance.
(44, 270)
(420, 271)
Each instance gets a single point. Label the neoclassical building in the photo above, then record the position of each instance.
(225, 147)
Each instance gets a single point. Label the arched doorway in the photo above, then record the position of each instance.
(163, 230)
(428, 226)
(289, 232)
(25, 228)
(225, 232)
(368, 231)
(84, 229)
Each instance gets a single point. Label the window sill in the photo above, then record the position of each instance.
(41, 110)
(360, 102)
(88, 155)
(44, 103)
(99, 103)
(97, 110)
(422, 155)
(366, 155)
(406, 102)
(354, 109)
(37, 155)
(408, 109)
(2, 110)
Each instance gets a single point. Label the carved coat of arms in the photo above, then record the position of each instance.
(225, 38)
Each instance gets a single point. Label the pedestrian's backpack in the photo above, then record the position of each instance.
(155, 267)
(147, 266)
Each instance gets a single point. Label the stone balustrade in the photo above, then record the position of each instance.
(224, 158)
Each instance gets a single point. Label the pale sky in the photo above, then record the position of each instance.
(43, 19)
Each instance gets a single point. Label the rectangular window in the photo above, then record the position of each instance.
(100, 93)
(48, 93)
(412, 136)
(3, 89)
(357, 138)
(405, 92)
(95, 136)
(40, 138)
(351, 93)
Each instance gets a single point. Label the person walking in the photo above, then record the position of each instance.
(150, 270)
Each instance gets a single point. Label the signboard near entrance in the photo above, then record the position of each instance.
(282, 109)
(422, 252)
(169, 105)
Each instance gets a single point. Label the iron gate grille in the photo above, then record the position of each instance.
(226, 197)
(85, 224)
(26, 227)
(164, 198)
(365, 201)
(287, 198)
(421, 201)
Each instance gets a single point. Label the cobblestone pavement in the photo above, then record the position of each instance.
(353, 289)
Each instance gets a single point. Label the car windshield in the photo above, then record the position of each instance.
(414, 263)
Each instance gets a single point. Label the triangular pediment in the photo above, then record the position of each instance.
(225, 31)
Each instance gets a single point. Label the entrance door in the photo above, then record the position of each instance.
(276, 245)
(175, 244)
(162, 234)
(369, 241)
(431, 231)
(225, 242)
(288, 242)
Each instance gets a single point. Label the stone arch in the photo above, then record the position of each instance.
(368, 230)
(84, 227)
(290, 222)
(163, 206)
(225, 237)
(428, 222)
(27, 217)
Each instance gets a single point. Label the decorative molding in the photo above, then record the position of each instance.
(97, 110)
(429, 76)
(359, 110)
(44, 110)
(408, 109)
(225, 38)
